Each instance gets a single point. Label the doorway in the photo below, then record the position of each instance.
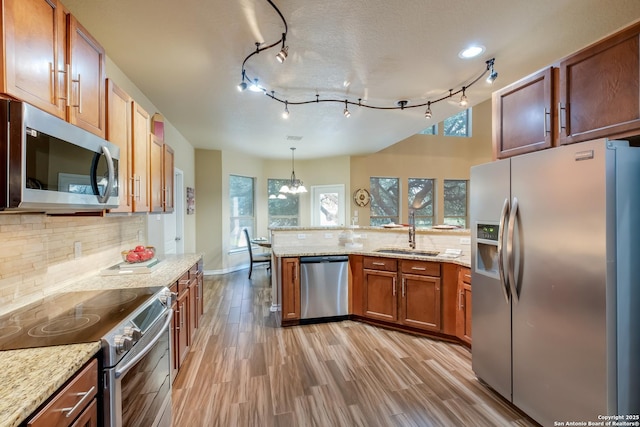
(327, 205)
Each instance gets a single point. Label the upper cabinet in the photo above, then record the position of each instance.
(51, 62)
(599, 89)
(34, 56)
(119, 117)
(593, 93)
(140, 155)
(85, 79)
(524, 115)
(161, 168)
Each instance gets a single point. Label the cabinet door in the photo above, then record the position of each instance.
(420, 302)
(524, 115)
(463, 305)
(140, 158)
(119, 132)
(290, 292)
(175, 339)
(183, 328)
(34, 53)
(168, 176)
(200, 296)
(155, 174)
(88, 417)
(86, 58)
(380, 300)
(599, 90)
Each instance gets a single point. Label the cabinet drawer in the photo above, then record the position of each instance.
(464, 275)
(183, 282)
(68, 403)
(424, 268)
(385, 264)
(193, 272)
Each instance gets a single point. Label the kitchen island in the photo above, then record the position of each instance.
(30, 376)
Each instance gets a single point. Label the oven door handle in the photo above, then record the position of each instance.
(123, 369)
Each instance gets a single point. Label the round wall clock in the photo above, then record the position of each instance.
(361, 197)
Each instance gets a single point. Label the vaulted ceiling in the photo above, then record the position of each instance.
(186, 57)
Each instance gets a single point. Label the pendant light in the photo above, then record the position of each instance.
(295, 185)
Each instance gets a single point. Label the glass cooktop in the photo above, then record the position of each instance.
(70, 317)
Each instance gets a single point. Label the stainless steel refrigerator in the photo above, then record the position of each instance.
(556, 280)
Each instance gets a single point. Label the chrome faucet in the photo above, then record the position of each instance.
(412, 228)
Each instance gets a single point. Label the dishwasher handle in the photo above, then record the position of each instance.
(323, 258)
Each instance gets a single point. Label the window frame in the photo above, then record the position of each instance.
(465, 218)
(420, 218)
(392, 218)
(278, 184)
(468, 122)
(237, 240)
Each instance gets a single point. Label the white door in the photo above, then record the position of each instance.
(327, 205)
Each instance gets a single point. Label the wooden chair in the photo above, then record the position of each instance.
(261, 258)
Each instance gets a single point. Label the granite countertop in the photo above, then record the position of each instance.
(30, 376)
(296, 251)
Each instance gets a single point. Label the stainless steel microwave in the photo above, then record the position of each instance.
(49, 165)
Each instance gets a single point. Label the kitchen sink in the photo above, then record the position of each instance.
(412, 252)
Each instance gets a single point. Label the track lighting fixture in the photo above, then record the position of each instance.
(428, 114)
(282, 55)
(400, 105)
(285, 113)
(493, 75)
(463, 99)
(346, 112)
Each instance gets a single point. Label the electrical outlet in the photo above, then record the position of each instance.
(302, 236)
(139, 235)
(77, 250)
(465, 240)
(328, 235)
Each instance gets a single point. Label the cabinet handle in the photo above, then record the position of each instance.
(547, 113)
(460, 299)
(179, 314)
(79, 104)
(52, 81)
(67, 76)
(138, 187)
(418, 268)
(86, 395)
(404, 284)
(378, 263)
(560, 115)
(394, 286)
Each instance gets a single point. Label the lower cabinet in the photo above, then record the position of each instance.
(290, 292)
(463, 307)
(188, 307)
(408, 295)
(74, 405)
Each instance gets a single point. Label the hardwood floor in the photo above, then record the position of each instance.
(244, 371)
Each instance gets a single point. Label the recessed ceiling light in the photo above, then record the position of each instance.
(471, 52)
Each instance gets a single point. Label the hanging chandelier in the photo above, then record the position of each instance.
(295, 185)
(253, 83)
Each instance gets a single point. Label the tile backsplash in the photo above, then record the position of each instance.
(42, 254)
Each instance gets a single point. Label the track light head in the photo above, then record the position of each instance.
(242, 86)
(493, 74)
(282, 55)
(255, 87)
(285, 113)
(346, 112)
(428, 114)
(464, 101)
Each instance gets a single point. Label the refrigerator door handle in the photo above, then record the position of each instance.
(501, 266)
(510, 250)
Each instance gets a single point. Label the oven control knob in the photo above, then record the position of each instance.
(123, 343)
(133, 332)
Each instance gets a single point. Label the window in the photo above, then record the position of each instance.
(458, 124)
(283, 209)
(431, 130)
(385, 205)
(455, 202)
(241, 203)
(420, 198)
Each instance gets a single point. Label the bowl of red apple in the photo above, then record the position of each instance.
(138, 254)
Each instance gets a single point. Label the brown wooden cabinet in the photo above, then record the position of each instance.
(155, 174)
(85, 79)
(599, 89)
(168, 176)
(524, 115)
(181, 325)
(290, 292)
(50, 61)
(74, 402)
(119, 132)
(380, 288)
(420, 298)
(34, 55)
(140, 158)
(463, 307)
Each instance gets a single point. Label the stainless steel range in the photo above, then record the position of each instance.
(133, 326)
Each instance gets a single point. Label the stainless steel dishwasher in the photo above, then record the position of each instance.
(324, 286)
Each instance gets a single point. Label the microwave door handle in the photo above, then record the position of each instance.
(111, 175)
